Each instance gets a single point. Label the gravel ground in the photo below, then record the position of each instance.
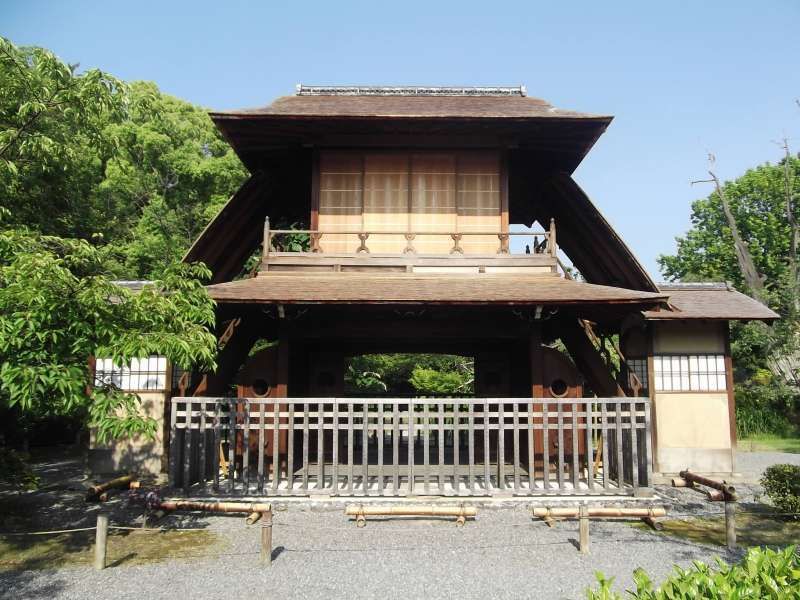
(318, 553)
(752, 464)
(503, 554)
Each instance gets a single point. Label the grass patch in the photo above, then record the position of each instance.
(770, 443)
(751, 530)
(124, 547)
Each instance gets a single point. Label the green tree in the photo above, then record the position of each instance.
(171, 174)
(53, 148)
(762, 203)
(410, 374)
(757, 201)
(84, 155)
(59, 307)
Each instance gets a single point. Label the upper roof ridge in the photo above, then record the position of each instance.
(408, 90)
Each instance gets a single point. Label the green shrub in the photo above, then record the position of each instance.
(765, 407)
(15, 470)
(763, 573)
(782, 485)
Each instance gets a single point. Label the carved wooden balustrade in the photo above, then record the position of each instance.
(291, 249)
(311, 240)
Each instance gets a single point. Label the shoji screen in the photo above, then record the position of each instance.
(479, 201)
(340, 200)
(386, 200)
(433, 201)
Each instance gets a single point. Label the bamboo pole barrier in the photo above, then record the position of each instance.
(728, 490)
(224, 507)
(599, 511)
(120, 482)
(361, 512)
(100, 542)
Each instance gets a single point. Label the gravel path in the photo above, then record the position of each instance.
(320, 554)
(752, 464)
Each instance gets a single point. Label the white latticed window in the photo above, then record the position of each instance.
(690, 373)
(145, 374)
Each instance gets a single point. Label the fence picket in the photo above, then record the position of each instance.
(424, 425)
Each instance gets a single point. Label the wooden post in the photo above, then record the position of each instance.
(266, 241)
(266, 537)
(583, 528)
(730, 524)
(100, 543)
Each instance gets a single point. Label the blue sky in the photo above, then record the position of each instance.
(682, 78)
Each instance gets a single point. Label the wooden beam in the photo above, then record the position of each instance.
(588, 360)
(237, 338)
(537, 377)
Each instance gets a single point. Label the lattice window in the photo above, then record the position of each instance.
(639, 367)
(690, 373)
(146, 374)
(177, 373)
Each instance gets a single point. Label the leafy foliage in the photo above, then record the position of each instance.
(84, 155)
(59, 307)
(782, 485)
(763, 573)
(410, 374)
(767, 370)
(15, 470)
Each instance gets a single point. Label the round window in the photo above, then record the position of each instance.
(559, 388)
(260, 387)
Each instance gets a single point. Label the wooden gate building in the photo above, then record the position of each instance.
(436, 220)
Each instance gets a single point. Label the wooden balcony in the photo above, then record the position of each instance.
(305, 250)
(403, 446)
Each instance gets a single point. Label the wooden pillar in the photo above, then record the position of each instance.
(282, 382)
(651, 392)
(535, 351)
(731, 393)
(537, 392)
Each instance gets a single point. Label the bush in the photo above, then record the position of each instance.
(763, 573)
(15, 470)
(782, 485)
(763, 407)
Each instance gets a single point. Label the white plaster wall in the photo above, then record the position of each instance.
(689, 338)
(692, 428)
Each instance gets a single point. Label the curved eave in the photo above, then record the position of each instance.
(561, 139)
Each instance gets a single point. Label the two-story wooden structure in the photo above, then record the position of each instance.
(388, 220)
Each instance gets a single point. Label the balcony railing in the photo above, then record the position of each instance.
(312, 240)
(402, 446)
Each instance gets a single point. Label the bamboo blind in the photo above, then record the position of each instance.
(418, 193)
(341, 200)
